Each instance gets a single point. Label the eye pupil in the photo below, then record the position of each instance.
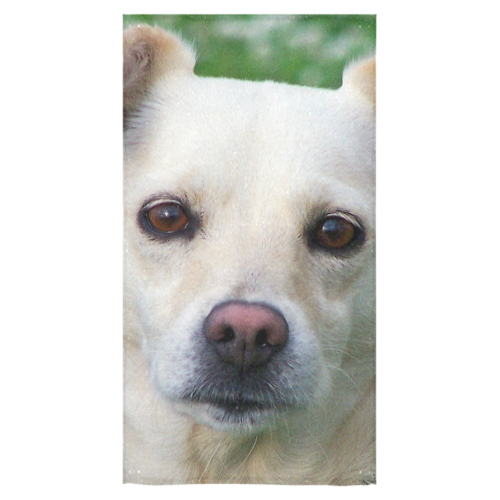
(336, 233)
(167, 217)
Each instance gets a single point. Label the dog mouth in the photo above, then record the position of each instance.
(230, 397)
(237, 412)
(240, 406)
(240, 414)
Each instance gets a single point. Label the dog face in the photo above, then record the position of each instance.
(249, 230)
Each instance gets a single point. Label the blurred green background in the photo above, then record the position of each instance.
(299, 49)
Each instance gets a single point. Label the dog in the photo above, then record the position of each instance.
(249, 274)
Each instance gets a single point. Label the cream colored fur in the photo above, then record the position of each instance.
(258, 162)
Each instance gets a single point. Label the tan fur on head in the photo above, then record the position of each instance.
(255, 167)
(148, 53)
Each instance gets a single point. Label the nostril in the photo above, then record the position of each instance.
(261, 338)
(227, 334)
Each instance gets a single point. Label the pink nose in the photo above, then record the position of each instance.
(246, 334)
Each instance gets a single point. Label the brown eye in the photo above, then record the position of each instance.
(336, 233)
(167, 217)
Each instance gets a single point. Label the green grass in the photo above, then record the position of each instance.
(298, 49)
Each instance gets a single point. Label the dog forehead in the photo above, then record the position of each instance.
(233, 112)
(232, 134)
(236, 112)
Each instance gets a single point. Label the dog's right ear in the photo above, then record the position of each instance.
(148, 54)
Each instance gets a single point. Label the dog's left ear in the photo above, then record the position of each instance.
(360, 78)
